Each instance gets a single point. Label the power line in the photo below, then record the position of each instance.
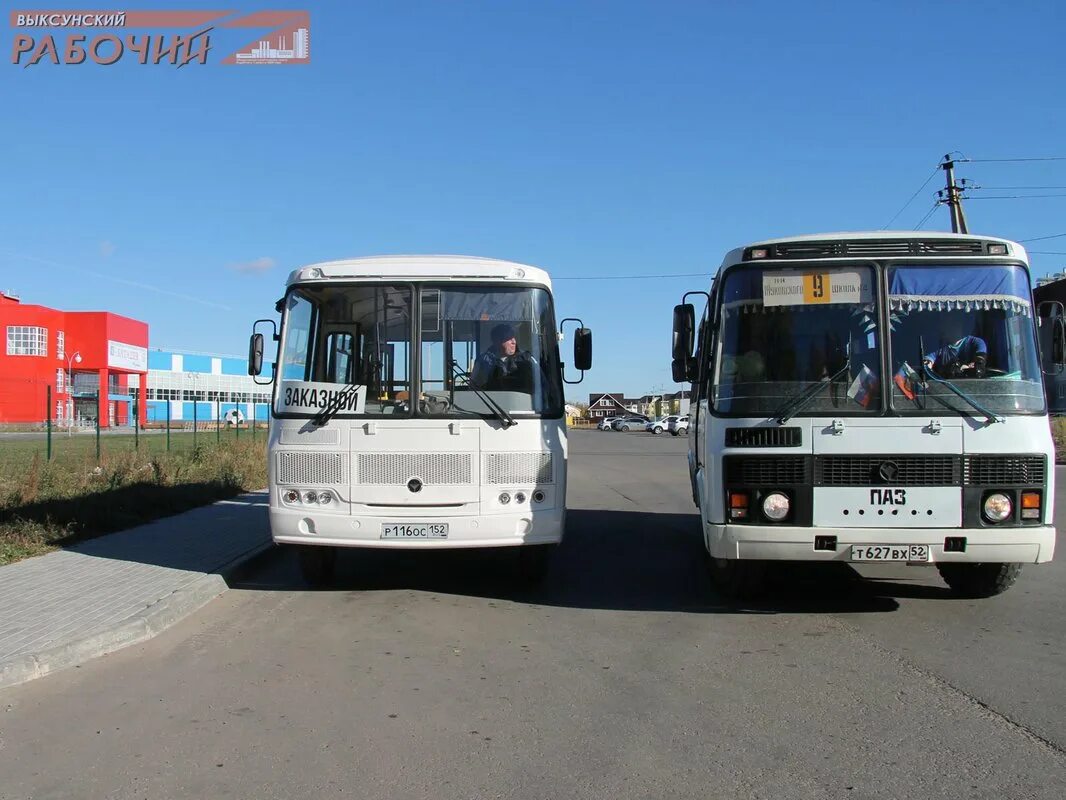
(633, 277)
(1018, 188)
(920, 188)
(1049, 252)
(1042, 238)
(1006, 160)
(1014, 196)
(928, 214)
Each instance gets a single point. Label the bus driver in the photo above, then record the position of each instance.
(503, 367)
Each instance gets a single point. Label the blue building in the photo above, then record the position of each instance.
(202, 386)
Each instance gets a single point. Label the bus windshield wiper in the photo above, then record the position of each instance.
(339, 401)
(796, 404)
(492, 405)
(927, 372)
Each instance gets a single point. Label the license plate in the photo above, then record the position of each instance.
(415, 530)
(890, 552)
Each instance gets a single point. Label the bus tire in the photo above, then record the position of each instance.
(317, 564)
(979, 580)
(533, 562)
(738, 579)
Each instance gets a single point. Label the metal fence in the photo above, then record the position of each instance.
(36, 418)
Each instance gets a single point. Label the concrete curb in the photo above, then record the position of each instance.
(140, 627)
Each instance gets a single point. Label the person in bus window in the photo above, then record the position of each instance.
(503, 367)
(966, 358)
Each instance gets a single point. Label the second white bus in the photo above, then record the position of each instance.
(871, 397)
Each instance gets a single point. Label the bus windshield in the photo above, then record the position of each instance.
(969, 325)
(784, 330)
(349, 350)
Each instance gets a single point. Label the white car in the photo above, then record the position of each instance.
(658, 426)
(629, 423)
(679, 426)
(607, 423)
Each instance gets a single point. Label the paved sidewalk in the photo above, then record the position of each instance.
(66, 607)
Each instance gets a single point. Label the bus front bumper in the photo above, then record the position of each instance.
(482, 530)
(1030, 545)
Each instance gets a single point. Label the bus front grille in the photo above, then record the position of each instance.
(893, 470)
(433, 469)
(996, 470)
(763, 437)
(766, 470)
(312, 469)
(518, 468)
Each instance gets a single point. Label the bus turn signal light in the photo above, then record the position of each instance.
(738, 505)
(1030, 505)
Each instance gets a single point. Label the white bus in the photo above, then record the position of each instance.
(418, 403)
(870, 397)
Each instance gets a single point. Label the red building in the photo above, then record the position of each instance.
(85, 357)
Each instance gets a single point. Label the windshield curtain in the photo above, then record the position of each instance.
(489, 342)
(783, 331)
(346, 348)
(346, 351)
(971, 325)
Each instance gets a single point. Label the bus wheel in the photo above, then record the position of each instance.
(317, 564)
(738, 579)
(979, 580)
(533, 562)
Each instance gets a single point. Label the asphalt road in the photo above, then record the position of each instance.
(624, 676)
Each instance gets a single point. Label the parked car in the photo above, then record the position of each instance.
(679, 426)
(607, 424)
(658, 426)
(630, 423)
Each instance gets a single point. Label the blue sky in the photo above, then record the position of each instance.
(594, 139)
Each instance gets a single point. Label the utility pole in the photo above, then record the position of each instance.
(954, 198)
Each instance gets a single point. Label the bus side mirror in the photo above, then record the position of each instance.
(684, 326)
(1051, 312)
(681, 348)
(583, 349)
(255, 354)
(679, 371)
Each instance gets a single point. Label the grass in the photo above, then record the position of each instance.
(47, 504)
(19, 449)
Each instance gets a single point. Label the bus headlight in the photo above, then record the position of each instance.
(291, 496)
(775, 506)
(505, 499)
(311, 497)
(324, 498)
(520, 498)
(997, 507)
